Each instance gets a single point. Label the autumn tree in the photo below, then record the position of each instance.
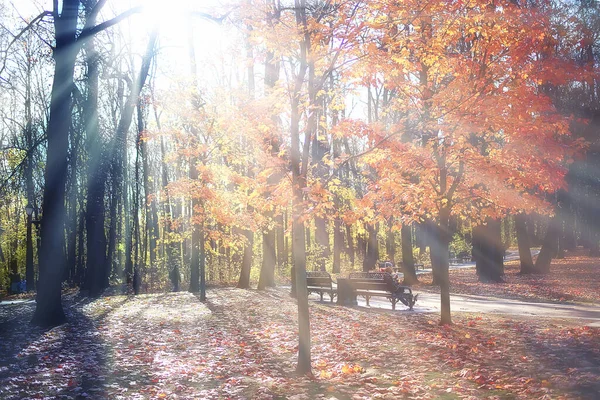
(485, 138)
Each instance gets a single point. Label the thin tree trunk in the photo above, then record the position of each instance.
(280, 234)
(71, 226)
(372, 249)
(299, 166)
(29, 186)
(338, 241)
(197, 234)
(350, 249)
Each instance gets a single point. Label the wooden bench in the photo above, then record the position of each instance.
(371, 284)
(320, 282)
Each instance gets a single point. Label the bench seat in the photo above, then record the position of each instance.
(380, 284)
(320, 282)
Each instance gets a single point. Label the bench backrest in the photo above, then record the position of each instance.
(318, 279)
(371, 281)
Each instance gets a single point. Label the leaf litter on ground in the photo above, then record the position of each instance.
(243, 344)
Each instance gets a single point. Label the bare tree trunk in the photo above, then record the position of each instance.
(49, 311)
(197, 234)
(29, 186)
(299, 166)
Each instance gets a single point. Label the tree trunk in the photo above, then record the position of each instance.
(281, 249)
(29, 186)
(138, 260)
(81, 245)
(489, 251)
(269, 238)
(193, 175)
(350, 249)
(408, 261)
(267, 271)
(390, 244)
(244, 281)
(299, 166)
(372, 250)
(97, 263)
(49, 311)
(549, 247)
(71, 226)
(322, 242)
(526, 261)
(443, 265)
(338, 242)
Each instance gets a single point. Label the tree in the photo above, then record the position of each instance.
(49, 310)
(482, 130)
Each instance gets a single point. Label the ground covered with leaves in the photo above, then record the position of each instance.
(243, 344)
(575, 278)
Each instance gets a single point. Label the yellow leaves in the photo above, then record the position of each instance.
(325, 374)
(352, 369)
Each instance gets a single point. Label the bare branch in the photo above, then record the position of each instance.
(21, 33)
(88, 32)
(218, 20)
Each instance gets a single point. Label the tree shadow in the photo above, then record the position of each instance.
(68, 360)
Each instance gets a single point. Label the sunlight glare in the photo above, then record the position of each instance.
(168, 14)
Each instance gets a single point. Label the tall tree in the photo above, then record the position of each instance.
(49, 309)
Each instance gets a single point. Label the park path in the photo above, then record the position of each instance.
(430, 302)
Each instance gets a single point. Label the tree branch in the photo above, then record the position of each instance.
(18, 36)
(217, 20)
(88, 32)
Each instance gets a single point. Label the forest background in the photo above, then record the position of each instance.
(166, 147)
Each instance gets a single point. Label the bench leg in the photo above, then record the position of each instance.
(367, 298)
(394, 304)
(321, 296)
